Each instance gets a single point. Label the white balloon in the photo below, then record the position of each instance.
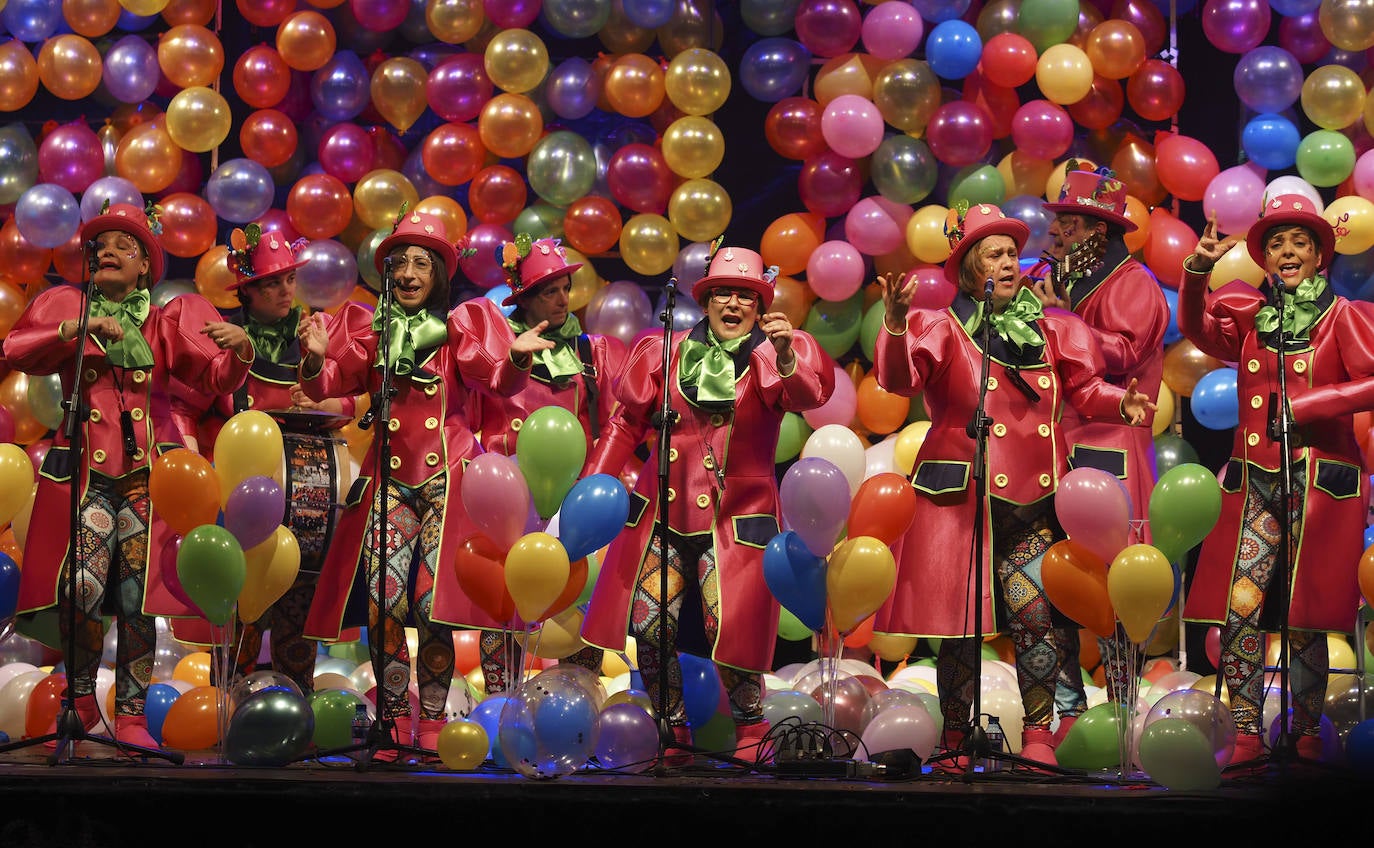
(842, 447)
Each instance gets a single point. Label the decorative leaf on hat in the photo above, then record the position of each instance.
(105, 207)
(153, 212)
(242, 244)
(770, 274)
(711, 251)
(400, 215)
(954, 222)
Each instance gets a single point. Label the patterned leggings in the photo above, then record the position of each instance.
(1242, 640)
(113, 529)
(744, 688)
(1021, 535)
(500, 653)
(414, 517)
(292, 654)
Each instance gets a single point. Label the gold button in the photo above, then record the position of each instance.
(431, 390)
(136, 413)
(1044, 430)
(1252, 366)
(95, 416)
(672, 454)
(431, 459)
(999, 429)
(516, 424)
(1252, 439)
(992, 384)
(1256, 402)
(394, 424)
(140, 376)
(1000, 481)
(431, 423)
(138, 455)
(90, 375)
(395, 463)
(1299, 365)
(1044, 480)
(1044, 381)
(717, 419)
(672, 494)
(703, 501)
(98, 455)
(707, 462)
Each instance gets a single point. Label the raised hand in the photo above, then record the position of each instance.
(898, 289)
(1210, 248)
(1136, 404)
(531, 342)
(779, 331)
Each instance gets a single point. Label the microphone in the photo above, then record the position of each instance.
(987, 288)
(92, 257)
(386, 273)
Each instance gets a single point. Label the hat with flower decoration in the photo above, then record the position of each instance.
(1297, 211)
(966, 225)
(528, 263)
(256, 255)
(423, 229)
(1097, 194)
(737, 267)
(143, 224)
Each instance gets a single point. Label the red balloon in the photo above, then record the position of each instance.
(1101, 106)
(999, 103)
(453, 153)
(1148, 18)
(268, 137)
(481, 567)
(592, 224)
(960, 133)
(882, 507)
(69, 261)
(1185, 165)
(1302, 36)
(1155, 90)
(639, 178)
(36, 450)
(320, 206)
(1170, 242)
(497, 194)
(829, 184)
(793, 128)
(265, 13)
(261, 77)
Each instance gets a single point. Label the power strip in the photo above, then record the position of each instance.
(821, 767)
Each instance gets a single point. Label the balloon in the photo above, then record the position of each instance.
(551, 451)
(627, 738)
(184, 490)
(249, 445)
(548, 727)
(192, 721)
(1092, 508)
(537, 570)
(814, 497)
(901, 727)
(1176, 754)
(1184, 507)
(255, 509)
(1093, 742)
(211, 568)
(481, 568)
(1215, 403)
(496, 498)
(270, 568)
(463, 745)
(1140, 584)
(796, 577)
(334, 711)
(1076, 582)
(271, 727)
(860, 577)
(883, 507)
(16, 481)
(701, 689)
(592, 514)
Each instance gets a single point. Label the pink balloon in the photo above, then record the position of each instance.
(482, 267)
(960, 133)
(1363, 175)
(1231, 197)
(71, 156)
(841, 407)
(170, 578)
(1042, 130)
(347, 151)
(899, 727)
(835, 270)
(892, 30)
(459, 87)
(496, 497)
(1092, 508)
(933, 291)
(1236, 26)
(876, 226)
(852, 126)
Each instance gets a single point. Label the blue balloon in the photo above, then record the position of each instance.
(9, 586)
(1215, 402)
(1369, 531)
(1359, 747)
(1171, 333)
(1271, 141)
(1294, 8)
(31, 20)
(1349, 272)
(774, 68)
(953, 49)
(159, 701)
(488, 714)
(796, 577)
(937, 11)
(649, 14)
(593, 511)
(240, 190)
(700, 688)
(341, 88)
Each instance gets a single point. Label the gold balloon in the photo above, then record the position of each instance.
(91, 18)
(1116, 48)
(213, 277)
(619, 36)
(649, 244)
(1167, 409)
(848, 73)
(516, 60)
(398, 91)
(14, 396)
(909, 441)
(190, 55)
(1023, 174)
(693, 146)
(18, 76)
(454, 21)
(697, 81)
(69, 66)
(198, 119)
(1333, 97)
(144, 8)
(1056, 177)
(634, 86)
(305, 40)
(448, 210)
(1237, 264)
(585, 283)
(509, 125)
(148, 157)
(925, 234)
(1064, 74)
(1184, 365)
(690, 28)
(12, 303)
(463, 745)
(1347, 24)
(557, 637)
(378, 196)
(907, 93)
(189, 12)
(700, 210)
(892, 648)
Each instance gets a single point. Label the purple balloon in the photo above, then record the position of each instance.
(256, 508)
(619, 309)
(1268, 79)
(481, 267)
(131, 69)
(71, 156)
(573, 89)
(47, 215)
(114, 189)
(341, 89)
(627, 738)
(815, 502)
(329, 275)
(1236, 26)
(346, 151)
(240, 190)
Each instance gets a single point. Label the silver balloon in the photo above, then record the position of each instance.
(271, 727)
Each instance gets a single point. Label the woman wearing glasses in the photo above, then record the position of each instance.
(730, 380)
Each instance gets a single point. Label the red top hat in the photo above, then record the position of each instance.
(528, 263)
(1096, 194)
(422, 229)
(965, 227)
(142, 224)
(1292, 210)
(256, 255)
(738, 267)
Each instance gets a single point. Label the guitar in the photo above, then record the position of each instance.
(1081, 259)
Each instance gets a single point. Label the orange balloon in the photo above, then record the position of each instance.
(12, 303)
(510, 124)
(21, 261)
(91, 18)
(188, 224)
(1134, 163)
(882, 507)
(184, 490)
(189, 12)
(306, 40)
(789, 241)
(861, 635)
(793, 299)
(881, 411)
(45, 702)
(192, 721)
(319, 206)
(1076, 583)
(70, 66)
(577, 581)
(453, 153)
(147, 157)
(1137, 213)
(634, 87)
(14, 396)
(194, 668)
(268, 137)
(592, 224)
(1366, 574)
(18, 76)
(213, 277)
(448, 210)
(190, 55)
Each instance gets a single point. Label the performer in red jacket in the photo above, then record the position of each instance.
(1328, 362)
(133, 350)
(731, 379)
(1039, 363)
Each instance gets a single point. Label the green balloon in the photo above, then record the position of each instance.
(540, 220)
(1046, 23)
(870, 328)
(1325, 158)
(792, 437)
(791, 629)
(561, 167)
(1092, 743)
(1184, 507)
(1177, 755)
(334, 711)
(717, 734)
(45, 626)
(212, 570)
(834, 324)
(550, 453)
(978, 184)
(903, 169)
(1171, 450)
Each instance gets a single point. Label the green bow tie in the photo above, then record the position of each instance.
(132, 351)
(272, 340)
(710, 367)
(409, 332)
(561, 360)
(1015, 324)
(1301, 312)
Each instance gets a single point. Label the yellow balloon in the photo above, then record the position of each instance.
(558, 636)
(908, 444)
(398, 91)
(463, 744)
(144, 8)
(1353, 217)
(1064, 73)
(198, 119)
(270, 569)
(249, 445)
(1333, 97)
(891, 648)
(194, 668)
(1060, 171)
(16, 481)
(697, 81)
(848, 73)
(585, 281)
(1339, 653)
(649, 244)
(378, 196)
(1140, 584)
(1237, 264)
(537, 571)
(925, 234)
(859, 577)
(700, 210)
(693, 146)
(516, 60)
(454, 21)
(1168, 408)
(20, 523)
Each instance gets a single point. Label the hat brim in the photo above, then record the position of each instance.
(755, 285)
(1090, 212)
(1326, 236)
(514, 297)
(239, 283)
(157, 257)
(441, 246)
(1014, 227)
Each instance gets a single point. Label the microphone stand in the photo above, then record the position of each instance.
(70, 729)
(664, 420)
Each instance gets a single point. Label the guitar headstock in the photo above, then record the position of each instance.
(1083, 257)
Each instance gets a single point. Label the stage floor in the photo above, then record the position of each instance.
(93, 799)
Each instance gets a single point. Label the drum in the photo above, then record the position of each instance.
(318, 472)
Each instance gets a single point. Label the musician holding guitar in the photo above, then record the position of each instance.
(1124, 307)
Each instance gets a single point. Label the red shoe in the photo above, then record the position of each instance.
(402, 732)
(948, 760)
(86, 711)
(1037, 743)
(133, 730)
(1310, 749)
(679, 752)
(1065, 725)
(752, 743)
(427, 737)
(1247, 759)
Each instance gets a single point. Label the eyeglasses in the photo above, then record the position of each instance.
(744, 296)
(418, 264)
